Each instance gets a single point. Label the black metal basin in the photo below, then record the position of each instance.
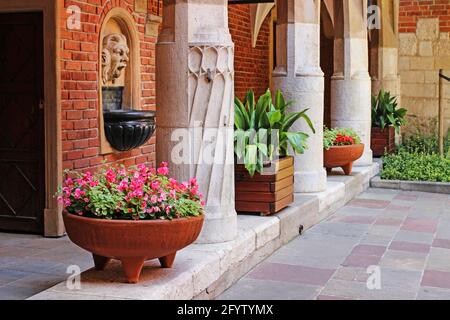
(128, 129)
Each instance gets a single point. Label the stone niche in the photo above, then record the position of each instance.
(119, 54)
(125, 125)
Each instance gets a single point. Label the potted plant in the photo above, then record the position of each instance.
(265, 173)
(342, 146)
(131, 214)
(387, 120)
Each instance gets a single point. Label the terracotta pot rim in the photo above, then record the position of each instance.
(130, 222)
(386, 127)
(345, 147)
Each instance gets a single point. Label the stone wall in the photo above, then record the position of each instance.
(251, 64)
(424, 51)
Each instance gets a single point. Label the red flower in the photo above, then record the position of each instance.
(342, 140)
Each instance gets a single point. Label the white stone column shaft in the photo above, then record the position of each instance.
(351, 83)
(195, 115)
(299, 77)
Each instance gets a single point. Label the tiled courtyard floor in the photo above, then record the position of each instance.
(406, 235)
(30, 264)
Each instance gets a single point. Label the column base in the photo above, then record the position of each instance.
(217, 230)
(365, 160)
(310, 181)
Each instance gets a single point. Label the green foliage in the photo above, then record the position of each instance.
(262, 128)
(416, 167)
(427, 144)
(385, 112)
(418, 159)
(330, 136)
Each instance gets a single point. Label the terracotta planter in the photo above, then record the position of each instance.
(268, 193)
(382, 141)
(342, 156)
(132, 242)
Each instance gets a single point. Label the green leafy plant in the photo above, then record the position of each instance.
(385, 112)
(416, 167)
(339, 137)
(425, 143)
(262, 128)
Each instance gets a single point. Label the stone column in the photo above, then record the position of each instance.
(383, 44)
(384, 49)
(351, 83)
(298, 75)
(194, 97)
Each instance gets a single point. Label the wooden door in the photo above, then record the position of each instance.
(22, 167)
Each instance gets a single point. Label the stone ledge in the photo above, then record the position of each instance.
(203, 271)
(421, 186)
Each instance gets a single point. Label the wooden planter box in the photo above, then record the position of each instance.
(267, 193)
(382, 140)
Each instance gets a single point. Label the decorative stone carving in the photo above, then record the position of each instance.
(210, 84)
(210, 87)
(115, 57)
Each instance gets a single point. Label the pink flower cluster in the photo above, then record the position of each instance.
(139, 192)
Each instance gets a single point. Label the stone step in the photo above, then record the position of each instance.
(203, 271)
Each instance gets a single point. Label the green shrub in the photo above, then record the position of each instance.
(426, 144)
(416, 167)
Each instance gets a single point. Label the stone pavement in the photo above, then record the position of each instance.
(404, 234)
(30, 264)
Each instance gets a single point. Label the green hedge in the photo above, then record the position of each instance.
(416, 167)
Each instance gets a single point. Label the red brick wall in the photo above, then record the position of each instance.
(251, 64)
(80, 84)
(411, 10)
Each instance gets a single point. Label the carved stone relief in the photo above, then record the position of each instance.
(115, 57)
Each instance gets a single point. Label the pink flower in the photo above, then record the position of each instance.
(163, 171)
(155, 185)
(93, 183)
(77, 194)
(110, 176)
(163, 197)
(154, 199)
(123, 185)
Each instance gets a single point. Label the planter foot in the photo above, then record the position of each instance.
(100, 262)
(167, 261)
(132, 268)
(348, 169)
